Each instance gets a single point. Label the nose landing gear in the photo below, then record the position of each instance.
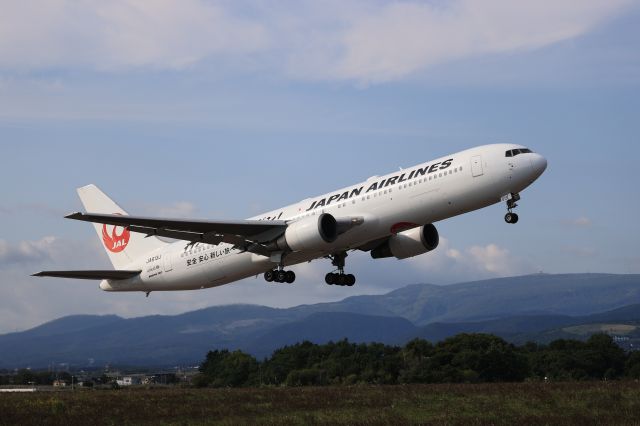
(512, 217)
(340, 278)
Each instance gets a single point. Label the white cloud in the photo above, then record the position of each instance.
(121, 34)
(26, 251)
(492, 259)
(27, 301)
(398, 39)
(360, 41)
(450, 264)
(50, 250)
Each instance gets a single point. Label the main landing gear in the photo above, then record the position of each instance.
(340, 278)
(511, 217)
(280, 276)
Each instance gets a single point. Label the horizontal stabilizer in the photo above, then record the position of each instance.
(89, 275)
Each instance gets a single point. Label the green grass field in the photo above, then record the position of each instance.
(521, 404)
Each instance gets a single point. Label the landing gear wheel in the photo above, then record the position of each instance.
(511, 218)
(269, 276)
(290, 277)
(342, 280)
(350, 280)
(281, 276)
(330, 278)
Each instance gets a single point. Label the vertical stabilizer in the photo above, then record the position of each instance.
(122, 246)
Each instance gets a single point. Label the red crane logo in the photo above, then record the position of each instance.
(113, 241)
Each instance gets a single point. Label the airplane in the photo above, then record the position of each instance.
(388, 216)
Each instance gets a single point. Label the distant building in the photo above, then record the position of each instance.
(59, 384)
(129, 381)
(627, 343)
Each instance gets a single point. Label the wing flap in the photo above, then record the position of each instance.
(90, 275)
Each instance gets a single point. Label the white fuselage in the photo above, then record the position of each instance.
(420, 195)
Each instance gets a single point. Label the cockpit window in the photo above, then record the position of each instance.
(514, 152)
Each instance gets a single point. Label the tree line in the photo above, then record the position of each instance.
(465, 358)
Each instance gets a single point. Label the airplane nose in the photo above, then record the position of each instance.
(539, 164)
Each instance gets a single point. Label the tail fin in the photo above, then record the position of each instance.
(122, 246)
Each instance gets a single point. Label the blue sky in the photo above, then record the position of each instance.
(227, 109)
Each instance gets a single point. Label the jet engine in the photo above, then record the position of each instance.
(310, 233)
(409, 243)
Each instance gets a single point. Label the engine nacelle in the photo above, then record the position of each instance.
(310, 233)
(409, 243)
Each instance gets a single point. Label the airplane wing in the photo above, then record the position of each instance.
(247, 234)
(89, 275)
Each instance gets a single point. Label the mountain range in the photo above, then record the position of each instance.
(535, 307)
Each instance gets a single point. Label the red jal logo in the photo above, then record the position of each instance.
(115, 243)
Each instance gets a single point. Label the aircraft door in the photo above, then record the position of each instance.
(168, 265)
(476, 166)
